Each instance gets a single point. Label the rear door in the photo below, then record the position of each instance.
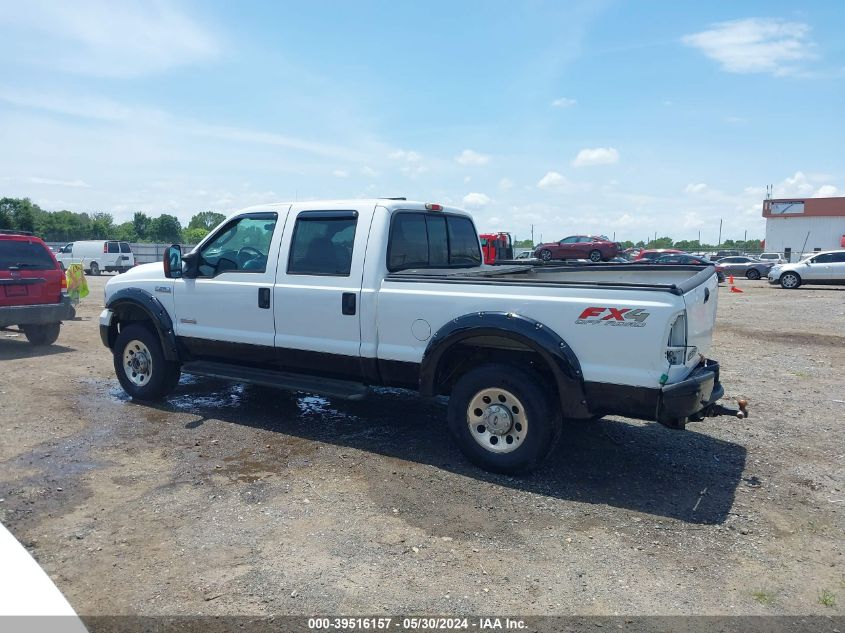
(837, 268)
(318, 289)
(29, 274)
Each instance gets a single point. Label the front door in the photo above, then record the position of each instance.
(318, 290)
(227, 310)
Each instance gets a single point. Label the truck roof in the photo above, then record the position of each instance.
(390, 204)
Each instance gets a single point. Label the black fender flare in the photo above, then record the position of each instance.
(557, 354)
(153, 308)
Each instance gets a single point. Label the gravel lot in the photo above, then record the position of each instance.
(241, 500)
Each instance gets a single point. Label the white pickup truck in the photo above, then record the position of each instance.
(336, 297)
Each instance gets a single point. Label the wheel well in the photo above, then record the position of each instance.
(480, 350)
(124, 315)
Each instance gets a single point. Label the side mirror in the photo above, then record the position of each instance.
(173, 261)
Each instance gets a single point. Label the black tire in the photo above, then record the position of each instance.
(595, 255)
(94, 268)
(546, 255)
(753, 274)
(790, 280)
(44, 334)
(160, 376)
(541, 418)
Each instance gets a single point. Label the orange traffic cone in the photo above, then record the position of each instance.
(730, 280)
(735, 289)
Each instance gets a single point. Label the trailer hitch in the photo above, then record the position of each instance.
(717, 409)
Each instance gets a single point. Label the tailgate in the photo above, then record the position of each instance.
(701, 303)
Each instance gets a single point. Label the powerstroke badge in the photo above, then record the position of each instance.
(625, 317)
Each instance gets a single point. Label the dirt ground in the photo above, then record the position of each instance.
(241, 500)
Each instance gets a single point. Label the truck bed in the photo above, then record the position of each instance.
(676, 279)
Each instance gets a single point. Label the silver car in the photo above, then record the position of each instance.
(745, 266)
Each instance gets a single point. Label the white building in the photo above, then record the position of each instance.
(797, 226)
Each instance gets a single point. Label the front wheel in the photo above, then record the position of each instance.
(42, 334)
(790, 281)
(753, 274)
(140, 365)
(546, 255)
(502, 419)
(595, 255)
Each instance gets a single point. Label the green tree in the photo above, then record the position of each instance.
(206, 220)
(141, 221)
(661, 242)
(102, 226)
(193, 235)
(125, 232)
(18, 214)
(165, 228)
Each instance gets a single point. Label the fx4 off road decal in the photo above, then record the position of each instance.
(625, 317)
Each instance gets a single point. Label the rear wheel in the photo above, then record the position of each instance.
(94, 268)
(502, 419)
(595, 255)
(140, 365)
(753, 273)
(546, 255)
(790, 281)
(45, 334)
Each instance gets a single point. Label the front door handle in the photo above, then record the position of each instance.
(264, 298)
(347, 303)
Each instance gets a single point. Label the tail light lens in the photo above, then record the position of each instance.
(105, 247)
(676, 350)
(64, 283)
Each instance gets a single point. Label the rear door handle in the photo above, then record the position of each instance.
(347, 303)
(264, 298)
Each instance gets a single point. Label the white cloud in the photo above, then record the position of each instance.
(552, 179)
(564, 102)
(469, 157)
(58, 183)
(755, 45)
(505, 184)
(826, 191)
(476, 200)
(104, 38)
(596, 156)
(369, 171)
(340, 173)
(695, 187)
(405, 156)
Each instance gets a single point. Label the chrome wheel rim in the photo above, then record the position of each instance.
(789, 281)
(595, 256)
(137, 363)
(545, 255)
(497, 420)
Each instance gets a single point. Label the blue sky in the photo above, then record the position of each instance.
(601, 116)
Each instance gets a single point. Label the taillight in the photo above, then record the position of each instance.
(676, 351)
(433, 207)
(105, 247)
(64, 283)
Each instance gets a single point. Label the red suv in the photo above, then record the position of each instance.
(597, 249)
(33, 288)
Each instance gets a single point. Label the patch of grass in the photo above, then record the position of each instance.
(827, 598)
(801, 374)
(764, 597)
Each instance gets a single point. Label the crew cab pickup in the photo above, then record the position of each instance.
(337, 297)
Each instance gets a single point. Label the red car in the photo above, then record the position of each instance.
(33, 288)
(654, 253)
(597, 249)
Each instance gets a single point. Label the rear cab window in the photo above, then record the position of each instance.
(24, 255)
(113, 247)
(125, 248)
(431, 240)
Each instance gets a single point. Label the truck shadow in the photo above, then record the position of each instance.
(18, 347)
(684, 475)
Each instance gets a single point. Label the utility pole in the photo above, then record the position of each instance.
(699, 237)
(745, 239)
(720, 232)
(532, 236)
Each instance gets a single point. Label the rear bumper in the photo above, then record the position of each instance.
(691, 397)
(37, 314)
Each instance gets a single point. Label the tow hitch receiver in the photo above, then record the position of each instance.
(717, 409)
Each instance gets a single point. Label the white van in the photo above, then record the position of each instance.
(97, 256)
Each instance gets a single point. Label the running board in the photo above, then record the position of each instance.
(334, 388)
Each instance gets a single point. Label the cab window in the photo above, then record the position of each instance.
(322, 243)
(569, 240)
(242, 245)
(429, 240)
